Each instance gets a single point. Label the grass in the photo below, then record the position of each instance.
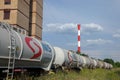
(85, 74)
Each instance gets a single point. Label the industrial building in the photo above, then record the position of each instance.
(25, 15)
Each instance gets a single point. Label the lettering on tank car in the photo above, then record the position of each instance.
(36, 55)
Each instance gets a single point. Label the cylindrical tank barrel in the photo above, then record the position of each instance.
(30, 52)
(59, 56)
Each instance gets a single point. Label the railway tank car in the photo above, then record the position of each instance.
(30, 52)
(75, 60)
(94, 63)
(33, 53)
(59, 58)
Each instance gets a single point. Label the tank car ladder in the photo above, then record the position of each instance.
(12, 52)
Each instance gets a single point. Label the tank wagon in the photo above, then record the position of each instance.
(33, 53)
(30, 52)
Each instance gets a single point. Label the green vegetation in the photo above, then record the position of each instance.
(85, 74)
(115, 64)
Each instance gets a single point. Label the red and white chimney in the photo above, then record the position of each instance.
(78, 38)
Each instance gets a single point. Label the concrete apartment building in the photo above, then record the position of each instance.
(25, 15)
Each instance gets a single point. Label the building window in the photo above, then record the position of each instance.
(7, 1)
(6, 14)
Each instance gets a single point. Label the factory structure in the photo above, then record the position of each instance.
(26, 16)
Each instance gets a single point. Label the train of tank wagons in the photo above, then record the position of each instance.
(33, 53)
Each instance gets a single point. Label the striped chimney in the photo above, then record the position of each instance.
(78, 38)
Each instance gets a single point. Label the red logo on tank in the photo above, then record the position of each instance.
(70, 57)
(36, 55)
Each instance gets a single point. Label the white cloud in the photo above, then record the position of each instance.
(72, 27)
(61, 27)
(86, 43)
(98, 41)
(92, 27)
(117, 34)
(72, 44)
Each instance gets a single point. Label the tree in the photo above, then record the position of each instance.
(117, 64)
(109, 61)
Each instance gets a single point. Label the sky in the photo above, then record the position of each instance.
(100, 26)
